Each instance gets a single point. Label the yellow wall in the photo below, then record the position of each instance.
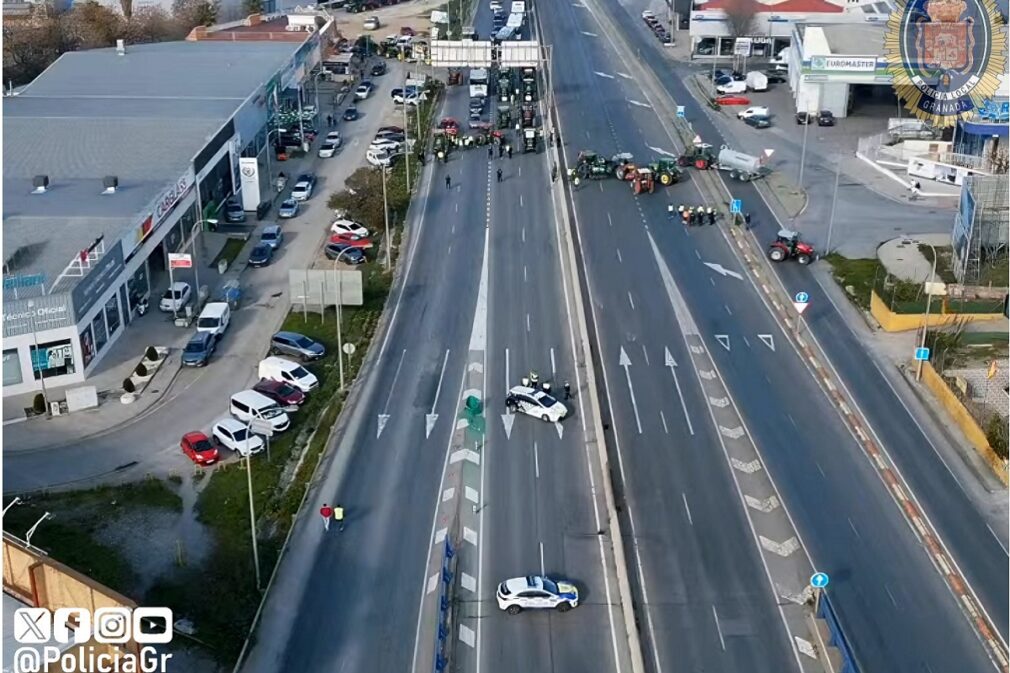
(902, 322)
(964, 420)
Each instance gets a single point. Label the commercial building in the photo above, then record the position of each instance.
(115, 158)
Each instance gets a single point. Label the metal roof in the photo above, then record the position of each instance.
(141, 116)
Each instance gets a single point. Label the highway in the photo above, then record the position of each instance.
(894, 606)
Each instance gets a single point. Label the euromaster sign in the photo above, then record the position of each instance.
(844, 63)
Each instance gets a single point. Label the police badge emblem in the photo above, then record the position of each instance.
(945, 56)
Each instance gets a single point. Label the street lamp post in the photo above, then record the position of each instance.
(35, 340)
(803, 150)
(31, 531)
(834, 200)
(385, 213)
(340, 307)
(406, 126)
(925, 322)
(270, 149)
(252, 509)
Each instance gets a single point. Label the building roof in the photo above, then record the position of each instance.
(853, 38)
(785, 7)
(141, 116)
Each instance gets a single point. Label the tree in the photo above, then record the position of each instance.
(90, 25)
(30, 46)
(127, 7)
(740, 16)
(191, 13)
(252, 6)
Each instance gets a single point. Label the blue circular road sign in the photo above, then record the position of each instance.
(819, 580)
(802, 297)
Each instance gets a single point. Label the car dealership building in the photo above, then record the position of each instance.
(115, 158)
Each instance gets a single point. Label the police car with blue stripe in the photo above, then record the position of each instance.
(536, 592)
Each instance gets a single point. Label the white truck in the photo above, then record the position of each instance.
(741, 166)
(757, 81)
(478, 83)
(515, 22)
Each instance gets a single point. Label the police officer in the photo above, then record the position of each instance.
(711, 216)
(568, 390)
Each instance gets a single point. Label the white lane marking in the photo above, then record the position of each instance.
(718, 628)
(631, 301)
(520, 198)
(384, 416)
(524, 234)
(588, 34)
(638, 103)
(662, 417)
(448, 494)
(554, 369)
(619, 258)
(625, 75)
(472, 495)
(507, 379)
(820, 469)
(525, 279)
(725, 306)
(660, 150)
(791, 420)
(645, 353)
(625, 362)
(670, 363)
(527, 322)
(697, 254)
(605, 76)
(998, 541)
(452, 229)
(711, 280)
(449, 251)
(688, 511)
(853, 527)
(536, 459)
(746, 341)
(890, 595)
(610, 222)
(466, 635)
(431, 417)
(456, 207)
(543, 567)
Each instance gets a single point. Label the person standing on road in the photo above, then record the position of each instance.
(746, 220)
(327, 513)
(499, 174)
(501, 150)
(509, 150)
(448, 182)
(568, 390)
(338, 516)
(554, 172)
(490, 153)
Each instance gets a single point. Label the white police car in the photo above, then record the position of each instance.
(536, 403)
(536, 592)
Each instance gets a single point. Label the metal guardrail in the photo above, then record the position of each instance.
(838, 639)
(442, 630)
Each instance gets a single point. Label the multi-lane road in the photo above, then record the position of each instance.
(700, 582)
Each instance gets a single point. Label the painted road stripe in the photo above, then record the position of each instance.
(732, 433)
(472, 495)
(468, 582)
(747, 468)
(767, 505)
(470, 535)
(783, 549)
(448, 493)
(467, 635)
(440, 535)
(432, 583)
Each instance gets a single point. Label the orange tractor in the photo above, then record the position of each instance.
(642, 180)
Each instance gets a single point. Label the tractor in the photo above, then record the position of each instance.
(624, 166)
(529, 84)
(529, 115)
(504, 85)
(441, 145)
(666, 171)
(700, 155)
(592, 166)
(788, 245)
(504, 116)
(455, 77)
(642, 181)
(530, 140)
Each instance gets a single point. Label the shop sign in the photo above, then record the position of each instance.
(52, 358)
(101, 277)
(172, 196)
(844, 63)
(50, 311)
(179, 260)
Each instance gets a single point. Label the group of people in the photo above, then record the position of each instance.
(696, 216)
(532, 380)
(503, 149)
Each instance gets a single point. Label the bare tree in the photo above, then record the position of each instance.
(252, 6)
(740, 16)
(31, 44)
(90, 25)
(192, 13)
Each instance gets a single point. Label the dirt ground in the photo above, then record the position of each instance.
(415, 14)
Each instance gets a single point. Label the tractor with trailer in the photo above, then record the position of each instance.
(642, 180)
(481, 133)
(699, 155)
(741, 166)
(593, 166)
(667, 171)
(787, 245)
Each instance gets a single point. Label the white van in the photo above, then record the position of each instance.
(282, 369)
(214, 318)
(250, 404)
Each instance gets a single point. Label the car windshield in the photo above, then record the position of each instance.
(239, 434)
(547, 400)
(172, 294)
(269, 235)
(304, 342)
(299, 372)
(195, 346)
(272, 412)
(203, 445)
(286, 390)
(550, 586)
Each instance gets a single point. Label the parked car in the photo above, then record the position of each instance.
(352, 240)
(776, 77)
(390, 129)
(350, 114)
(234, 435)
(327, 150)
(281, 392)
(391, 135)
(288, 209)
(272, 235)
(388, 144)
(198, 349)
(298, 345)
(732, 99)
(304, 186)
(345, 226)
(199, 448)
(176, 297)
(346, 253)
(736, 86)
(233, 212)
(364, 90)
(825, 118)
(379, 69)
(261, 255)
(379, 157)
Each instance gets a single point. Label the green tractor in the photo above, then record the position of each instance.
(591, 166)
(529, 84)
(504, 85)
(442, 144)
(701, 156)
(504, 116)
(530, 138)
(667, 171)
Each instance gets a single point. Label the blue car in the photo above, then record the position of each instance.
(261, 255)
(199, 349)
(350, 114)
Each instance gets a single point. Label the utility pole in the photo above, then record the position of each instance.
(834, 200)
(385, 213)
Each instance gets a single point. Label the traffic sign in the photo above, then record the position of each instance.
(680, 111)
(178, 260)
(819, 580)
(349, 348)
(921, 354)
(261, 427)
(736, 207)
(801, 301)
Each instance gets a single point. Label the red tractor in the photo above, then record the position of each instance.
(788, 245)
(449, 126)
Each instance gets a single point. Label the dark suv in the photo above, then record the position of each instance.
(298, 345)
(199, 349)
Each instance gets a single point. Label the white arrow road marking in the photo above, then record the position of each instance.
(625, 362)
(671, 364)
(561, 431)
(766, 505)
(723, 271)
(783, 549)
(429, 424)
(805, 647)
(721, 402)
(768, 340)
(588, 34)
(382, 424)
(723, 340)
(625, 75)
(603, 74)
(639, 103)
(466, 634)
(732, 433)
(660, 150)
(507, 420)
(747, 468)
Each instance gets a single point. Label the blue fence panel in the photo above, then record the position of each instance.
(442, 631)
(838, 639)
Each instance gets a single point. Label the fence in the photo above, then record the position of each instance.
(443, 627)
(838, 639)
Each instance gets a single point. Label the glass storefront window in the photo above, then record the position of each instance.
(87, 347)
(12, 367)
(101, 336)
(55, 358)
(112, 314)
(138, 287)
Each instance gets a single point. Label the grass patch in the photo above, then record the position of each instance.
(945, 256)
(232, 248)
(996, 274)
(986, 338)
(856, 276)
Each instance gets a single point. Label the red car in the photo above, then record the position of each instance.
(353, 240)
(280, 392)
(732, 99)
(449, 125)
(199, 448)
(407, 30)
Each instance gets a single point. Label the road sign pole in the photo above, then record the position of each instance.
(252, 511)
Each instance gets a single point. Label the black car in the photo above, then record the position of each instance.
(199, 349)
(825, 118)
(776, 77)
(378, 69)
(758, 121)
(345, 252)
(804, 118)
(233, 213)
(350, 114)
(261, 255)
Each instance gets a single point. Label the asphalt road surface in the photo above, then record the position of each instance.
(896, 610)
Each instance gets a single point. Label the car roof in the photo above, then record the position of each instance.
(271, 229)
(290, 335)
(179, 285)
(230, 424)
(201, 337)
(282, 363)
(194, 436)
(522, 390)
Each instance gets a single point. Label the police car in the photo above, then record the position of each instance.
(536, 592)
(535, 403)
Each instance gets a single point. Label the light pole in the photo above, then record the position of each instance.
(340, 307)
(301, 126)
(385, 214)
(31, 531)
(834, 200)
(13, 502)
(925, 322)
(803, 151)
(35, 340)
(315, 87)
(194, 233)
(252, 510)
(406, 126)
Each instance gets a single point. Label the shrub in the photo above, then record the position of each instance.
(151, 354)
(141, 370)
(996, 433)
(39, 403)
(128, 386)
